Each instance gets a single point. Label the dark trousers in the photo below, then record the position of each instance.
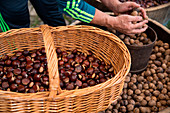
(16, 14)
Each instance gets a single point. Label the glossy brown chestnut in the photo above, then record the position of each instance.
(17, 71)
(25, 81)
(37, 77)
(5, 85)
(13, 87)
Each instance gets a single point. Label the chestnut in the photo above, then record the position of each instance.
(46, 83)
(4, 78)
(43, 50)
(60, 62)
(58, 50)
(28, 58)
(5, 57)
(37, 65)
(90, 70)
(25, 81)
(86, 63)
(84, 85)
(1, 68)
(61, 84)
(17, 71)
(25, 52)
(29, 68)
(67, 65)
(18, 81)
(73, 78)
(32, 90)
(41, 89)
(91, 58)
(102, 80)
(30, 63)
(11, 80)
(70, 86)
(9, 74)
(13, 87)
(8, 62)
(78, 83)
(74, 51)
(90, 53)
(64, 53)
(37, 77)
(78, 68)
(37, 83)
(30, 77)
(9, 69)
(13, 58)
(95, 64)
(19, 53)
(24, 74)
(70, 56)
(33, 55)
(21, 58)
(42, 58)
(34, 71)
(2, 62)
(78, 59)
(66, 80)
(21, 88)
(16, 63)
(65, 59)
(92, 83)
(23, 64)
(38, 52)
(41, 69)
(5, 85)
(45, 78)
(84, 78)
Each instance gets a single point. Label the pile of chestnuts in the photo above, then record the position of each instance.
(148, 3)
(80, 70)
(138, 40)
(27, 71)
(148, 91)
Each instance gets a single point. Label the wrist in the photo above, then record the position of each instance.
(111, 22)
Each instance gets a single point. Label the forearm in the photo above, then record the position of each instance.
(102, 19)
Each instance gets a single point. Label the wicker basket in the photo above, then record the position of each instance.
(104, 45)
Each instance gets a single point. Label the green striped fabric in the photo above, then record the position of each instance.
(3, 25)
(72, 8)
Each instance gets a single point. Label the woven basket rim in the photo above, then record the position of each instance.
(158, 7)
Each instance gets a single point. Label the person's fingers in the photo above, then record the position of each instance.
(134, 18)
(139, 25)
(143, 12)
(136, 31)
(132, 5)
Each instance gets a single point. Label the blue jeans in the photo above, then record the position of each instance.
(16, 14)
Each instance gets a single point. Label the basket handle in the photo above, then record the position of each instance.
(52, 61)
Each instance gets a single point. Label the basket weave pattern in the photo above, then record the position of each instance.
(104, 45)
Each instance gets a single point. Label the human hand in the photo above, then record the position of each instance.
(124, 24)
(119, 7)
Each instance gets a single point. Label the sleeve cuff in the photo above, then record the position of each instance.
(80, 10)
